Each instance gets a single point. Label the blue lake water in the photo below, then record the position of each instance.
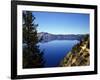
(54, 51)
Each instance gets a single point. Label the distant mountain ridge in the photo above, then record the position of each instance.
(46, 37)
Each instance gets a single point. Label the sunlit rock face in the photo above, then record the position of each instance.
(79, 55)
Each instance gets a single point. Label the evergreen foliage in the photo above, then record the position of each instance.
(32, 56)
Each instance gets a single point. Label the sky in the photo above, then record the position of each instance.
(62, 23)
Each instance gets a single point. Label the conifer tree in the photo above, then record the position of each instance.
(32, 56)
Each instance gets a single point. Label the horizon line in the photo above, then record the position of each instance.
(66, 33)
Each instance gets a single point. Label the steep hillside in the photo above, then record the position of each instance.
(79, 55)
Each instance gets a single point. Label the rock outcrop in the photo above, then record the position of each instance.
(79, 55)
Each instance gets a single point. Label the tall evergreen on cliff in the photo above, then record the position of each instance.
(32, 56)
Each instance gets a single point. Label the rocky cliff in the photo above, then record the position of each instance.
(79, 55)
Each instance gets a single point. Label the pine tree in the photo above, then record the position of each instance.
(32, 56)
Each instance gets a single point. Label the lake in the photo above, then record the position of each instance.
(55, 51)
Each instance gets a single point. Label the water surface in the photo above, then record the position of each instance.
(54, 51)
